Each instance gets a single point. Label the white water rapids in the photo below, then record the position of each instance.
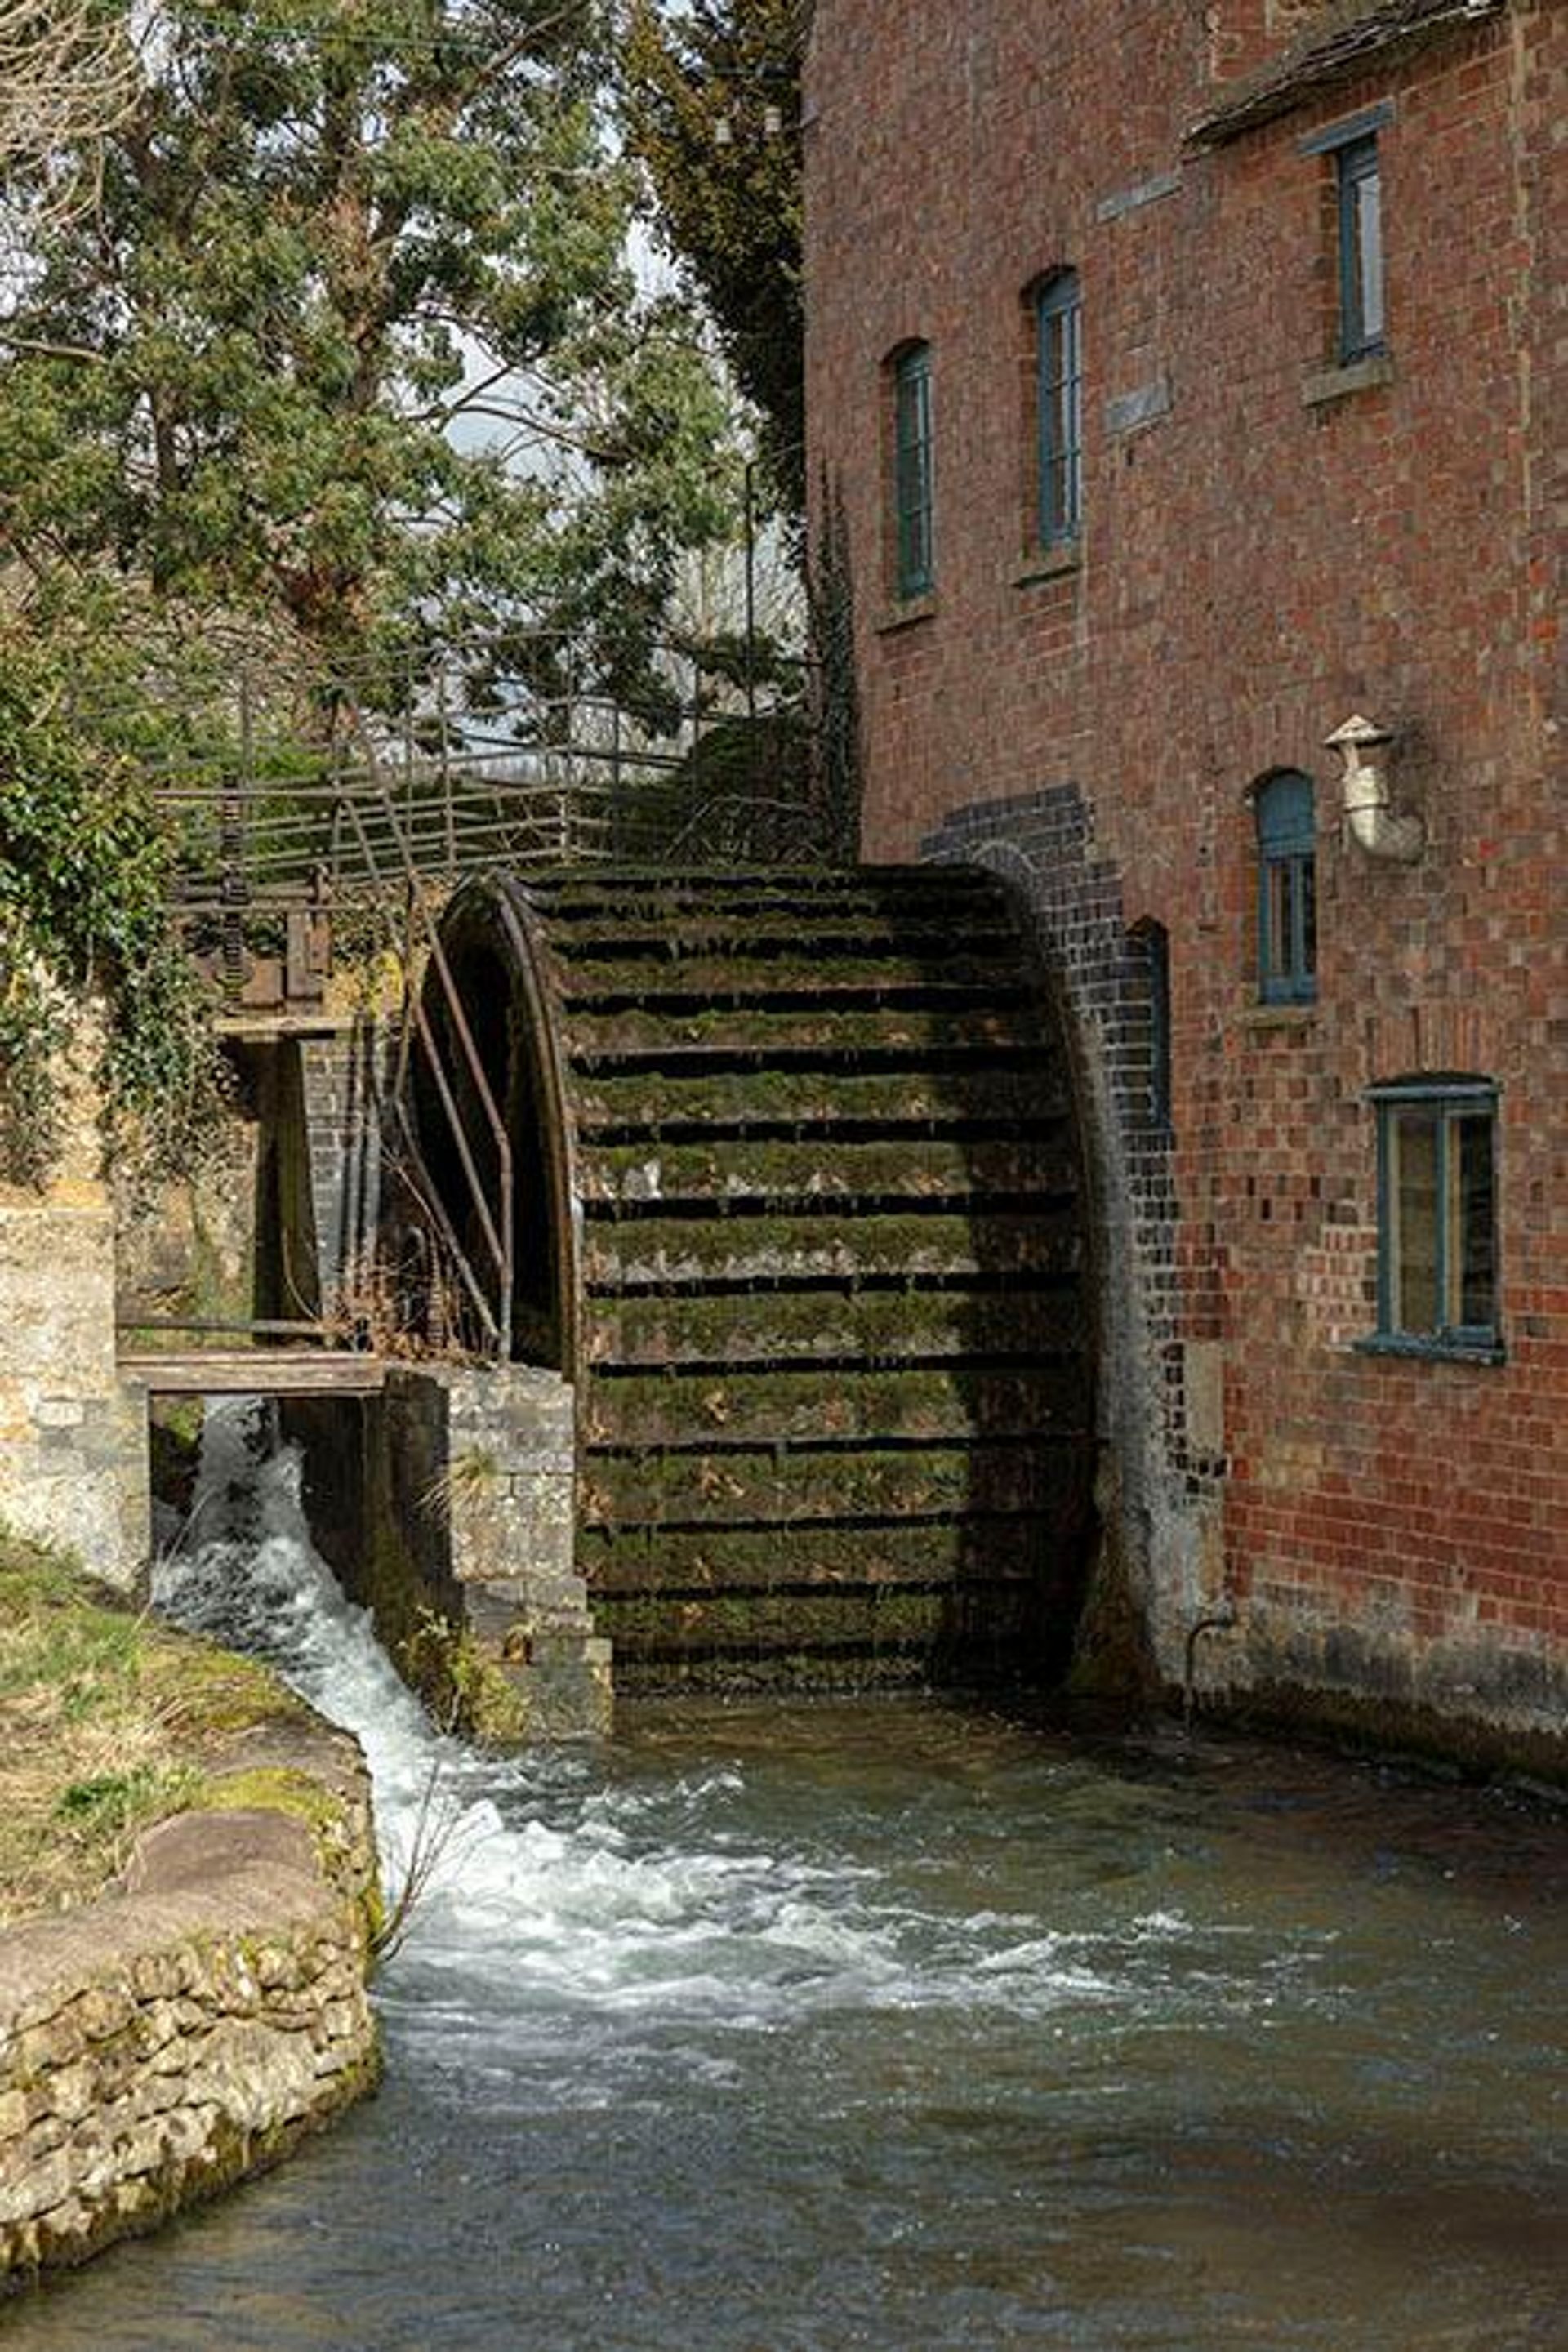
(585, 1909)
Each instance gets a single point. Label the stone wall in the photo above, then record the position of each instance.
(189, 1249)
(190, 2028)
(450, 1497)
(282, 1221)
(345, 1077)
(1160, 1466)
(73, 1446)
(506, 1447)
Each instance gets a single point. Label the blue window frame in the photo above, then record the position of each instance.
(1359, 189)
(1285, 809)
(1058, 313)
(913, 502)
(1436, 1220)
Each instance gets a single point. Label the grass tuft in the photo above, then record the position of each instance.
(108, 1719)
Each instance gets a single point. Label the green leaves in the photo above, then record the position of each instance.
(711, 104)
(351, 343)
(82, 890)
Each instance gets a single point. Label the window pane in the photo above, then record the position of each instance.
(912, 472)
(1060, 327)
(1276, 942)
(1285, 807)
(1413, 1178)
(1369, 249)
(1472, 1248)
(1307, 910)
(1361, 248)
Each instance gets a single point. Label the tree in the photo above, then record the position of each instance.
(66, 77)
(350, 348)
(712, 106)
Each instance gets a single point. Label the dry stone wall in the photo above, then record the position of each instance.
(189, 2029)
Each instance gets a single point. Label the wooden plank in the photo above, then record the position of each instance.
(255, 1372)
(265, 1025)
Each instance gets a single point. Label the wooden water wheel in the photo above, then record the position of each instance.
(798, 1209)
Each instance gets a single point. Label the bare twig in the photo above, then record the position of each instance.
(436, 1823)
(67, 81)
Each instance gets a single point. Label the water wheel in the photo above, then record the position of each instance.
(798, 1209)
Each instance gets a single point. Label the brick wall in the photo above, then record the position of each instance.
(1268, 544)
(345, 1078)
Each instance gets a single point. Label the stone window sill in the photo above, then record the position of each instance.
(905, 614)
(1050, 563)
(1339, 382)
(1287, 1017)
(1433, 1350)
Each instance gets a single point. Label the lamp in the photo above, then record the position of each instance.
(1370, 819)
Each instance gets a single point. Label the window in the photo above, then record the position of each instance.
(1436, 1188)
(913, 568)
(1360, 191)
(1150, 946)
(1059, 312)
(1287, 889)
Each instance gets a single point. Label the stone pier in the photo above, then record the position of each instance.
(73, 1440)
(446, 1505)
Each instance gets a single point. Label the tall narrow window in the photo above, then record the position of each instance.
(1060, 342)
(1437, 1211)
(1361, 248)
(1150, 944)
(1287, 889)
(915, 568)
(1159, 953)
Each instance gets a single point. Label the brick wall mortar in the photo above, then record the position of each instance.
(1253, 568)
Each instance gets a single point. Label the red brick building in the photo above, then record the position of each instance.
(1192, 378)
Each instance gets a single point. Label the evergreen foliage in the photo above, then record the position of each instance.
(350, 345)
(712, 109)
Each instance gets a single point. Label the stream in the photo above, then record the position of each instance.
(791, 2028)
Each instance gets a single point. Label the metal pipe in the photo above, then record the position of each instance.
(1223, 1622)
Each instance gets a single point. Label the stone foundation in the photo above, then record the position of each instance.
(495, 1517)
(446, 1503)
(189, 2029)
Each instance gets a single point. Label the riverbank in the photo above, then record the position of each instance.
(188, 1905)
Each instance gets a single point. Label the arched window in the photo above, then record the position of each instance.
(1058, 330)
(1150, 944)
(1285, 810)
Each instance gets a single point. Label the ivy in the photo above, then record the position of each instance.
(83, 877)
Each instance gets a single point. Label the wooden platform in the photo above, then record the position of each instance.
(254, 1371)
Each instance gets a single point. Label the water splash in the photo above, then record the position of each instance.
(550, 1877)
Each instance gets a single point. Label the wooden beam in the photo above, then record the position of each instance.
(254, 1371)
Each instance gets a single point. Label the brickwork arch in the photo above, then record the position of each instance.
(1160, 1467)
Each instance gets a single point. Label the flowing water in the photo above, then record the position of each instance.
(793, 2029)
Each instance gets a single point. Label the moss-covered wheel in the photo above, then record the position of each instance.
(797, 1205)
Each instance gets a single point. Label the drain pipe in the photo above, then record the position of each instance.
(1370, 819)
(1222, 1621)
